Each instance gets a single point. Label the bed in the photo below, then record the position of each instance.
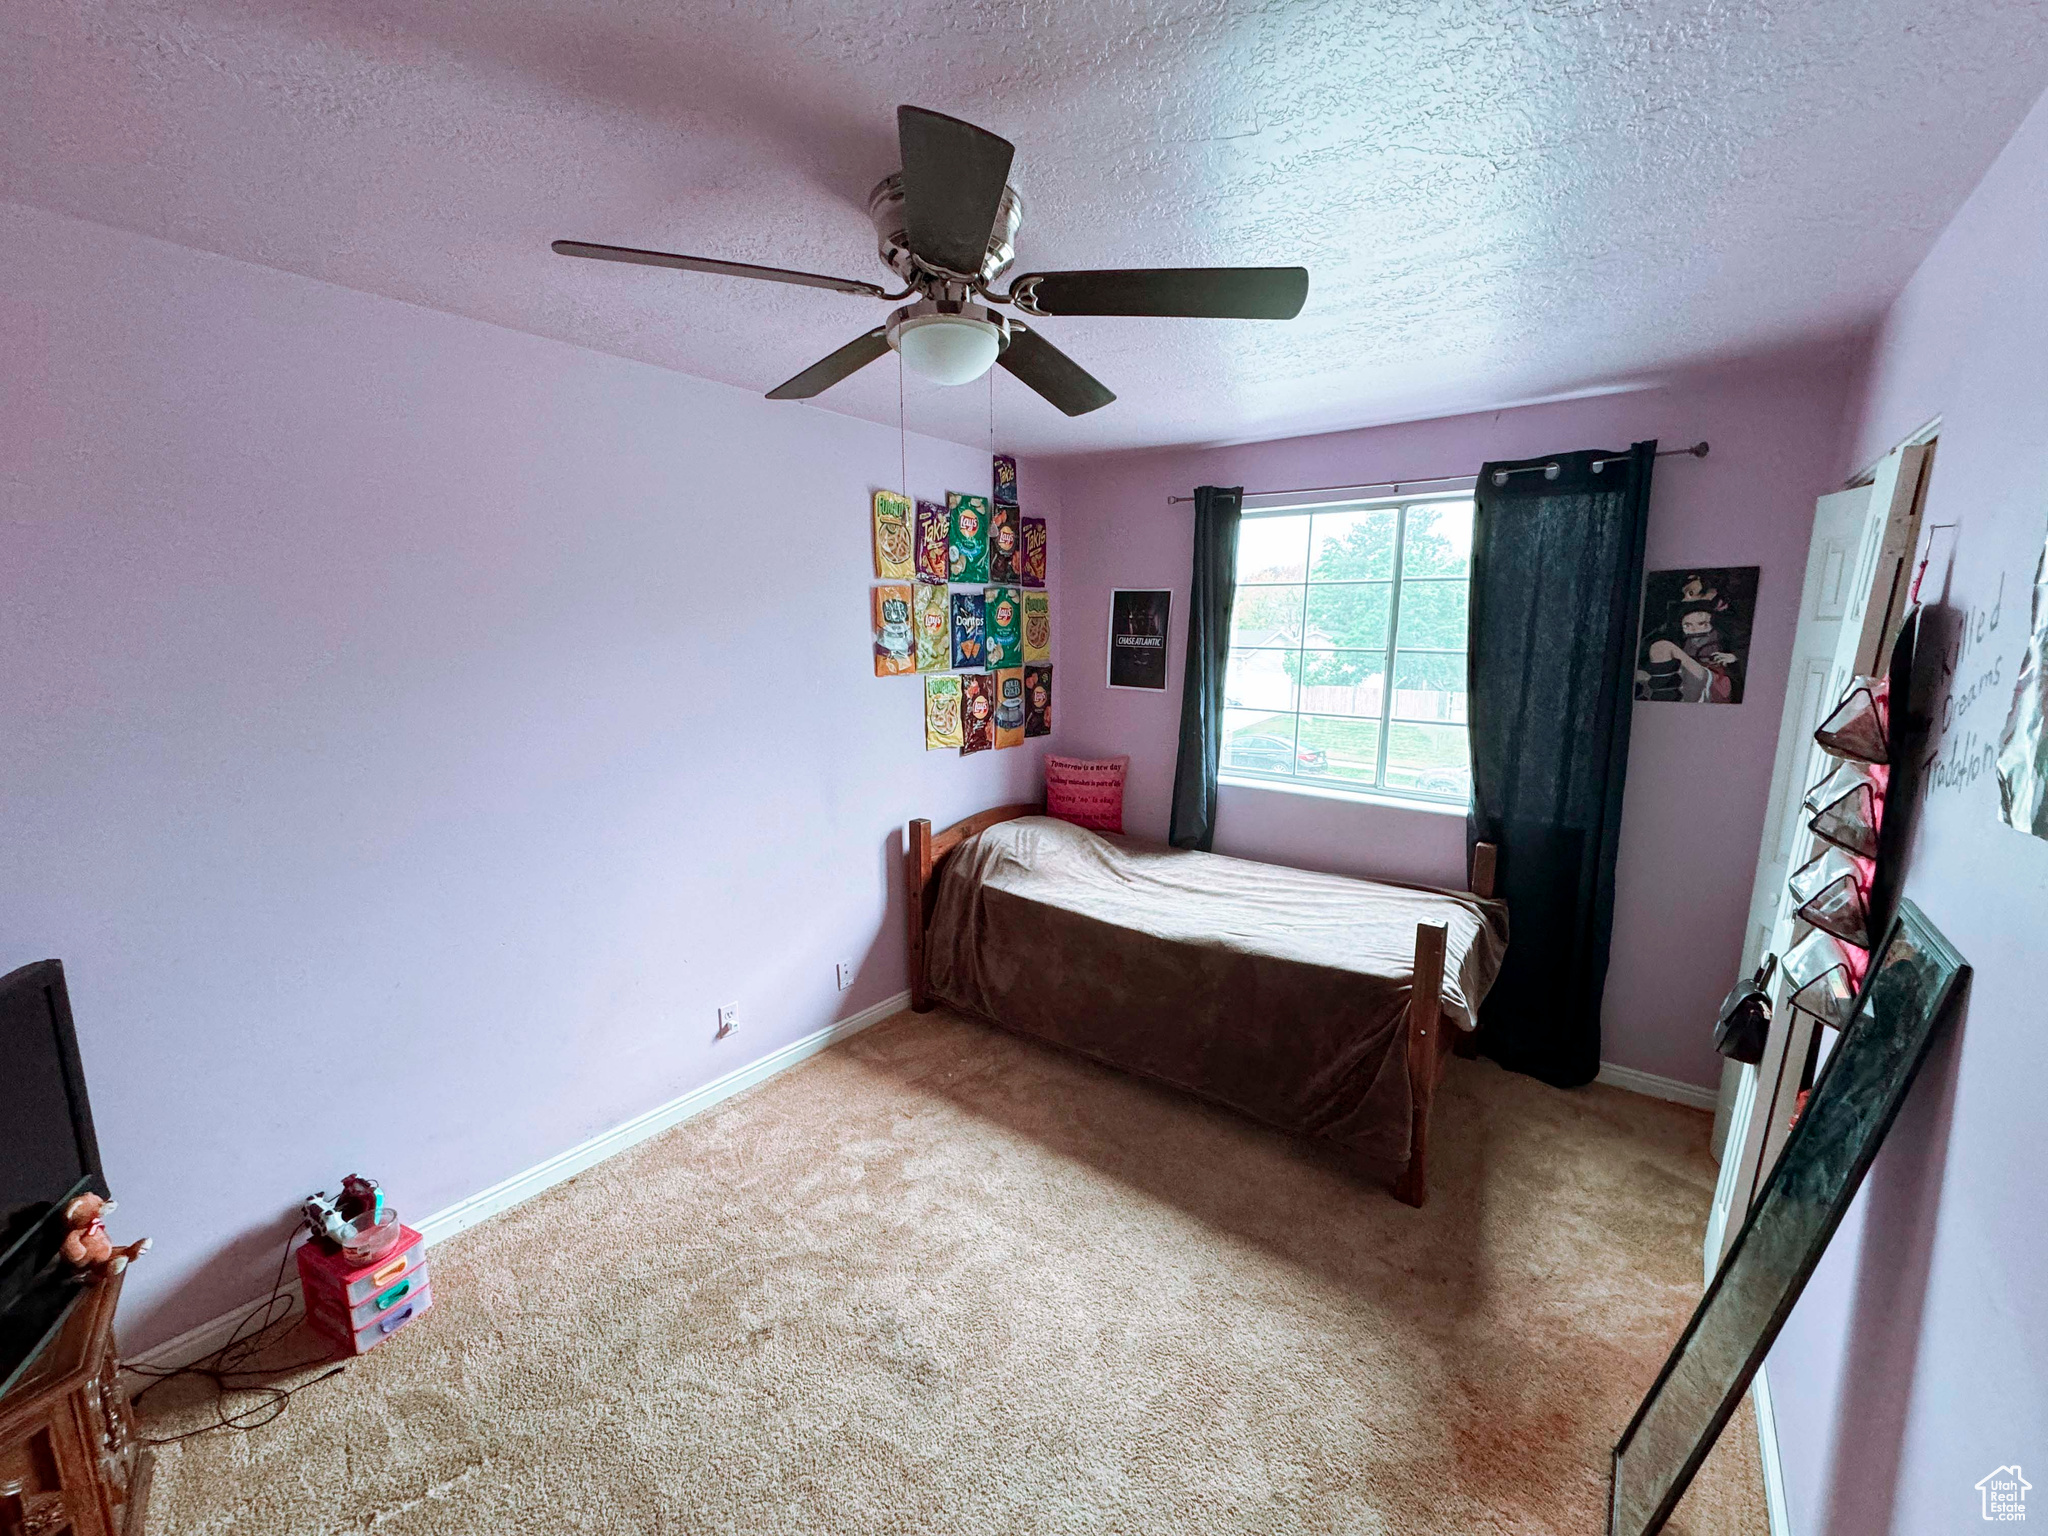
(1321, 1005)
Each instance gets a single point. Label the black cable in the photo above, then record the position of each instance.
(232, 1360)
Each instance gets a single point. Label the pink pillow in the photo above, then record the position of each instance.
(1089, 793)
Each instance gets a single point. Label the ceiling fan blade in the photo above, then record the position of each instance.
(953, 178)
(1052, 373)
(1209, 293)
(827, 371)
(721, 268)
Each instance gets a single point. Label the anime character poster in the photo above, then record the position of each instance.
(1006, 479)
(1005, 554)
(967, 630)
(977, 712)
(941, 711)
(1137, 638)
(967, 560)
(934, 537)
(1695, 641)
(892, 536)
(1034, 551)
(1038, 701)
(933, 615)
(1010, 707)
(1037, 627)
(2022, 760)
(895, 642)
(1003, 617)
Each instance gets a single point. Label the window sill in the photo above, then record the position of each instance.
(1353, 796)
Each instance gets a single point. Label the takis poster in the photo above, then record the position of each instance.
(1006, 480)
(934, 537)
(1034, 551)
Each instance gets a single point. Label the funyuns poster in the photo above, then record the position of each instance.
(1003, 616)
(2023, 749)
(1037, 626)
(934, 535)
(933, 615)
(977, 712)
(941, 711)
(967, 624)
(1010, 707)
(895, 649)
(1038, 701)
(968, 558)
(892, 536)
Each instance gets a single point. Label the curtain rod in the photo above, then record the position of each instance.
(1500, 476)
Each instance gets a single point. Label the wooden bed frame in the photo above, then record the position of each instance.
(1428, 1043)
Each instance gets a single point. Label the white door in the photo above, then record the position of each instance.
(1850, 607)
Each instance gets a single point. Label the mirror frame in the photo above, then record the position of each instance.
(1911, 925)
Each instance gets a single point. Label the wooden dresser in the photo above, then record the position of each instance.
(70, 1464)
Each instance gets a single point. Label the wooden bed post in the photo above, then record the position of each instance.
(1483, 856)
(917, 851)
(1425, 1056)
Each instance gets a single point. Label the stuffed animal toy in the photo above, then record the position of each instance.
(86, 1247)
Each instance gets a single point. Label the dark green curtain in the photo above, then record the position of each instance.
(1557, 575)
(1217, 511)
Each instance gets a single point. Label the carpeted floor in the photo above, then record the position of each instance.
(939, 1280)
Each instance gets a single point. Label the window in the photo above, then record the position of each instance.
(1347, 647)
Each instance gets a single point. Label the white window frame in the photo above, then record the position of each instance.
(1379, 790)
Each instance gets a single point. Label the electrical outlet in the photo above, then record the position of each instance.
(845, 973)
(728, 1019)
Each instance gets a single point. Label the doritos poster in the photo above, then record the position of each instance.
(1004, 555)
(895, 648)
(967, 630)
(977, 712)
(1010, 707)
(1006, 480)
(967, 560)
(1038, 701)
(1003, 618)
(892, 536)
(941, 711)
(933, 616)
(1034, 551)
(1037, 627)
(934, 534)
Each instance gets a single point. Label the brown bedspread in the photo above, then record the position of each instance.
(1279, 992)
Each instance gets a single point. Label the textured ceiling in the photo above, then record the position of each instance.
(1497, 201)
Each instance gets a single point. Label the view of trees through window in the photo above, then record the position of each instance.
(1347, 647)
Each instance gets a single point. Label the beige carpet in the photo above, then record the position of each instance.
(941, 1280)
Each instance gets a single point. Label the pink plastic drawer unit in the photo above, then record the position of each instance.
(374, 1332)
(410, 1284)
(343, 1299)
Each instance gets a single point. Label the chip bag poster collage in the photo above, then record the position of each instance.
(959, 600)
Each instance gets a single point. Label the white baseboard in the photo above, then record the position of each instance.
(197, 1343)
(1767, 1453)
(1650, 1085)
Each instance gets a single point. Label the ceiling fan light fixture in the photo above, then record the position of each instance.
(948, 343)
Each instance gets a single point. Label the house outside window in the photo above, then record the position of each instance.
(1347, 648)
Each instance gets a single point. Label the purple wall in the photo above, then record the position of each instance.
(1917, 1361)
(1698, 778)
(414, 729)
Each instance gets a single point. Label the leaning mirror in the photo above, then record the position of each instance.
(1852, 1106)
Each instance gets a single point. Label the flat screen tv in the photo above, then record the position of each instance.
(48, 1156)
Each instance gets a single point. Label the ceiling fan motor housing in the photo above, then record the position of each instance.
(885, 212)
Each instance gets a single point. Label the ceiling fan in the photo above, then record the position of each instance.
(947, 225)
